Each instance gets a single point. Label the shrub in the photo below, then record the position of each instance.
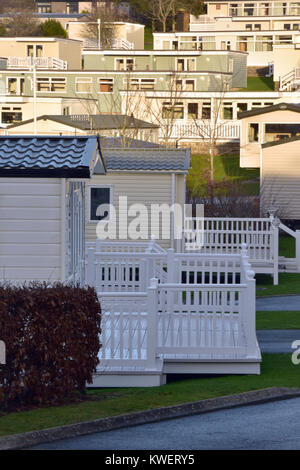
(52, 342)
(53, 28)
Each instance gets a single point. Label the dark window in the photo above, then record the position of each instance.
(253, 132)
(206, 110)
(241, 107)
(281, 131)
(99, 196)
(192, 110)
(9, 117)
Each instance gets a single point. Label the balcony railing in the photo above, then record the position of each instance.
(117, 43)
(38, 62)
(202, 130)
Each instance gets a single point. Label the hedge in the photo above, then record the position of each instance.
(51, 334)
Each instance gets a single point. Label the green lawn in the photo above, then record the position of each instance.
(287, 247)
(226, 168)
(277, 320)
(289, 283)
(148, 38)
(259, 84)
(277, 370)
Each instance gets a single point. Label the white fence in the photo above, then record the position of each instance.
(224, 130)
(38, 62)
(118, 269)
(228, 235)
(179, 319)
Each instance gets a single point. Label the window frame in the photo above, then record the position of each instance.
(125, 60)
(50, 81)
(110, 82)
(89, 199)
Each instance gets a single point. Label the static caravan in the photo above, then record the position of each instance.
(42, 192)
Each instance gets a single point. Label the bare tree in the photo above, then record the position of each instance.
(20, 19)
(155, 10)
(126, 107)
(107, 15)
(165, 107)
(209, 126)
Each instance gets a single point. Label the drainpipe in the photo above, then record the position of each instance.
(172, 212)
(34, 99)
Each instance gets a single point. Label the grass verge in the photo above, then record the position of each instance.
(227, 167)
(287, 247)
(277, 320)
(259, 84)
(148, 38)
(289, 283)
(277, 370)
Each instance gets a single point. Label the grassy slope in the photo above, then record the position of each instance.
(259, 84)
(226, 167)
(277, 370)
(148, 38)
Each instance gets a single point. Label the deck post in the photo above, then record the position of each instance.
(170, 266)
(275, 253)
(298, 250)
(144, 274)
(249, 313)
(152, 323)
(244, 262)
(90, 268)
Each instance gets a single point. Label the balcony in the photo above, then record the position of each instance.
(117, 43)
(201, 130)
(39, 62)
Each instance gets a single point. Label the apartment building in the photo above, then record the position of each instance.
(78, 6)
(257, 28)
(187, 93)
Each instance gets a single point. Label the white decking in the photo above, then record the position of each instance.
(166, 312)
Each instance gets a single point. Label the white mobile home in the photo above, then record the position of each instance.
(42, 182)
(146, 176)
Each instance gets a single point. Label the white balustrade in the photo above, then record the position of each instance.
(226, 130)
(227, 235)
(38, 62)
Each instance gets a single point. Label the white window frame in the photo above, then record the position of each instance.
(50, 81)
(186, 59)
(125, 59)
(18, 88)
(111, 199)
(85, 80)
(110, 81)
(35, 46)
(138, 82)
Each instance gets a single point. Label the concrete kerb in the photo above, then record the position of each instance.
(23, 440)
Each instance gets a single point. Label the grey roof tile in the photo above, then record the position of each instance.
(47, 153)
(147, 159)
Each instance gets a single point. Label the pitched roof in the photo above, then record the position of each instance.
(94, 121)
(158, 160)
(281, 141)
(49, 156)
(270, 109)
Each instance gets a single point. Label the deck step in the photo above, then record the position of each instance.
(287, 265)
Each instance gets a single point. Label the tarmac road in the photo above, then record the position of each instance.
(268, 426)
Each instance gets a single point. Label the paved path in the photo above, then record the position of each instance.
(287, 303)
(267, 426)
(277, 341)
